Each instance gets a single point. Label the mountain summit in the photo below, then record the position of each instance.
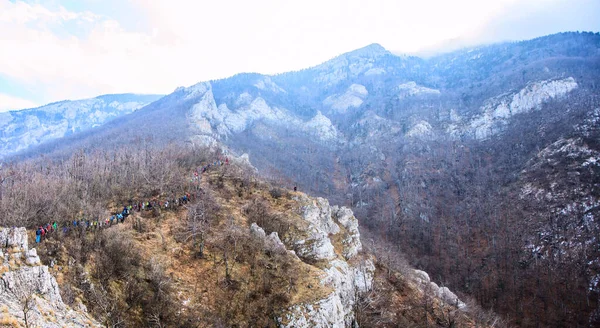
(373, 51)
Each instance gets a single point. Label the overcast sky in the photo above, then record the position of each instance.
(52, 50)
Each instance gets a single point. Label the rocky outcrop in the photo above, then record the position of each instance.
(431, 288)
(213, 122)
(272, 240)
(351, 240)
(352, 98)
(497, 111)
(329, 240)
(28, 290)
(411, 88)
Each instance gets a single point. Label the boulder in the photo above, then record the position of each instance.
(17, 237)
(317, 247)
(422, 276)
(257, 231)
(443, 293)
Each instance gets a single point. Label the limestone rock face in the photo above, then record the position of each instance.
(317, 247)
(24, 281)
(220, 121)
(346, 219)
(443, 293)
(497, 111)
(16, 237)
(331, 239)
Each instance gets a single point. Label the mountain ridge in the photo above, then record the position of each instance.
(436, 156)
(21, 129)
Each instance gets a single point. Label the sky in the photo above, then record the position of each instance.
(53, 50)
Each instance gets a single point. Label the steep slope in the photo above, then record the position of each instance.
(22, 129)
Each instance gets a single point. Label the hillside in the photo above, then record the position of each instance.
(238, 251)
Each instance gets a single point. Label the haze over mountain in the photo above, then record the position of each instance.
(480, 164)
(22, 129)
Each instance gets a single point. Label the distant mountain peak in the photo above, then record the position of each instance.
(374, 50)
(360, 61)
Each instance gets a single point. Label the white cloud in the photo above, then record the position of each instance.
(160, 45)
(8, 102)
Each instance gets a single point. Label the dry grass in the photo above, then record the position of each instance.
(263, 283)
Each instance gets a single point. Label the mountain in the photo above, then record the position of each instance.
(479, 164)
(25, 128)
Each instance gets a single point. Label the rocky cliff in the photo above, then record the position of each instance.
(29, 294)
(327, 237)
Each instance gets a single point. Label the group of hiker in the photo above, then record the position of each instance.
(42, 231)
(119, 217)
(218, 162)
(116, 218)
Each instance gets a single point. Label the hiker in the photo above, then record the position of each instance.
(42, 232)
(38, 235)
(226, 160)
(55, 226)
(295, 188)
